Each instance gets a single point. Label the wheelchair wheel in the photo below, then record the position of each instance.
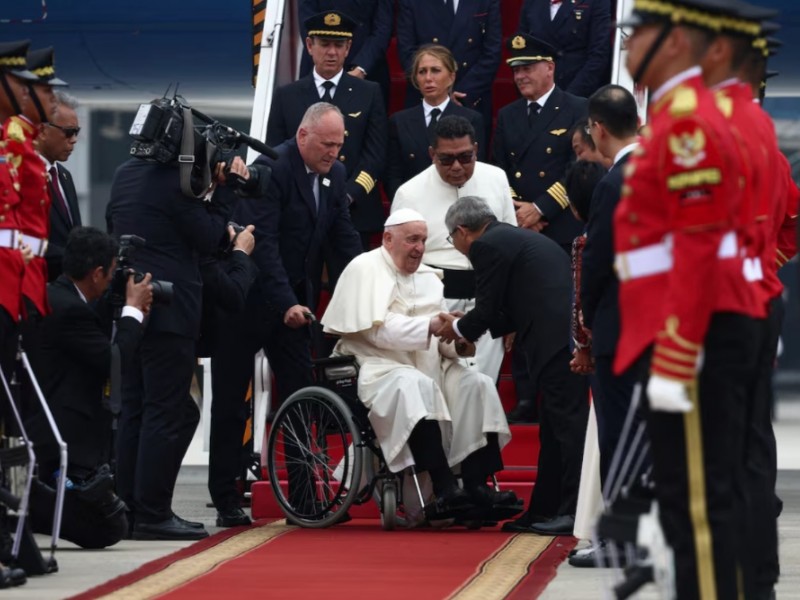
(315, 457)
(389, 505)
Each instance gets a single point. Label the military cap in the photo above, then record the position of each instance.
(713, 15)
(42, 63)
(331, 24)
(526, 49)
(13, 59)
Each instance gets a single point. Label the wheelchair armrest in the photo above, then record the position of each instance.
(336, 367)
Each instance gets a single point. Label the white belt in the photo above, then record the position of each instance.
(38, 245)
(657, 258)
(9, 238)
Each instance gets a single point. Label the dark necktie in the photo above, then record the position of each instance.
(57, 197)
(326, 95)
(312, 179)
(533, 113)
(434, 120)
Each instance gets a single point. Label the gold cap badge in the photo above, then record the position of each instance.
(332, 20)
(518, 43)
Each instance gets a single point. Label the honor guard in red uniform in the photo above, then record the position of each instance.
(685, 314)
(13, 99)
(34, 210)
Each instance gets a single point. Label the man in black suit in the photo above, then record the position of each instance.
(55, 144)
(524, 285)
(305, 208)
(367, 57)
(363, 154)
(613, 122)
(531, 142)
(472, 30)
(77, 349)
(159, 416)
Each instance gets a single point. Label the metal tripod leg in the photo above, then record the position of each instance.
(58, 510)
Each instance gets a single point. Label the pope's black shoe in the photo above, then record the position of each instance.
(168, 529)
(561, 525)
(232, 516)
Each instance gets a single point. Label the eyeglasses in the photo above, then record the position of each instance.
(449, 238)
(67, 131)
(448, 159)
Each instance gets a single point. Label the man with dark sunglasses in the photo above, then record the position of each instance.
(455, 173)
(55, 144)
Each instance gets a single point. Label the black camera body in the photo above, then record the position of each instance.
(162, 290)
(157, 131)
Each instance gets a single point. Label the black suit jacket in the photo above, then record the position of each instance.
(599, 285)
(536, 158)
(364, 150)
(290, 232)
(581, 31)
(409, 142)
(473, 34)
(146, 200)
(76, 364)
(523, 284)
(60, 223)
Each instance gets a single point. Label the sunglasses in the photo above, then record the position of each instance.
(67, 131)
(448, 159)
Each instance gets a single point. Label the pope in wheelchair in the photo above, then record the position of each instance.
(428, 411)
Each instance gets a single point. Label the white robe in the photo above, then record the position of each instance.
(431, 196)
(406, 375)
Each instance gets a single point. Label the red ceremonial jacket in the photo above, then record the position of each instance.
(12, 266)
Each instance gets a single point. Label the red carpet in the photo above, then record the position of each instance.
(356, 560)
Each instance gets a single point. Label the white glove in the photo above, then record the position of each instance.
(668, 395)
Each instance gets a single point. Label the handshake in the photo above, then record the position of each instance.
(442, 327)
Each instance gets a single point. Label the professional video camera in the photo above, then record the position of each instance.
(164, 130)
(162, 290)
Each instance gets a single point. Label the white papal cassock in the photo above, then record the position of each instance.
(406, 375)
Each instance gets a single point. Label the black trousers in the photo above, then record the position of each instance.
(563, 413)
(156, 424)
(289, 353)
(611, 409)
(760, 529)
(697, 464)
(8, 348)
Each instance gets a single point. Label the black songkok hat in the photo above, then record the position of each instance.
(13, 59)
(42, 63)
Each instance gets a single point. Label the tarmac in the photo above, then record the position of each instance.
(80, 570)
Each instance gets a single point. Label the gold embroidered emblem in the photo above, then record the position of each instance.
(558, 131)
(684, 101)
(518, 43)
(332, 20)
(15, 132)
(688, 149)
(354, 115)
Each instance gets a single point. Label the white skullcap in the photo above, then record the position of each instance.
(404, 215)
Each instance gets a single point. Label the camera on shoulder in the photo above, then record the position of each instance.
(162, 290)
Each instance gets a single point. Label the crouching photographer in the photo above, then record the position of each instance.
(77, 350)
(177, 193)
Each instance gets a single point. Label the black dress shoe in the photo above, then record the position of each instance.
(524, 412)
(451, 503)
(193, 524)
(562, 525)
(523, 523)
(483, 495)
(11, 577)
(168, 529)
(232, 516)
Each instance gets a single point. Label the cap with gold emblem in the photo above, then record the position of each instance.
(13, 59)
(525, 49)
(331, 24)
(42, 64)
(713, 15)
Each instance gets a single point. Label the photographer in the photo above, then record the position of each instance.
(77, 350)
(159, 416)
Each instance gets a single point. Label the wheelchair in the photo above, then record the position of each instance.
(323, 456)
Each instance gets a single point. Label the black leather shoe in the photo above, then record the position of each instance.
(523, 523)
(483, 495)
(168, 529)
(11, 577)
(597, 556)
(232, 517)
(450, 504)
(193, 524)
(561, 525)
(524, 412)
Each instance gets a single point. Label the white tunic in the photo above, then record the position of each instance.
(431, 196)
(405, 375)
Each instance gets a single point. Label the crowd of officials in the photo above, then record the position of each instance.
(676, 231)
